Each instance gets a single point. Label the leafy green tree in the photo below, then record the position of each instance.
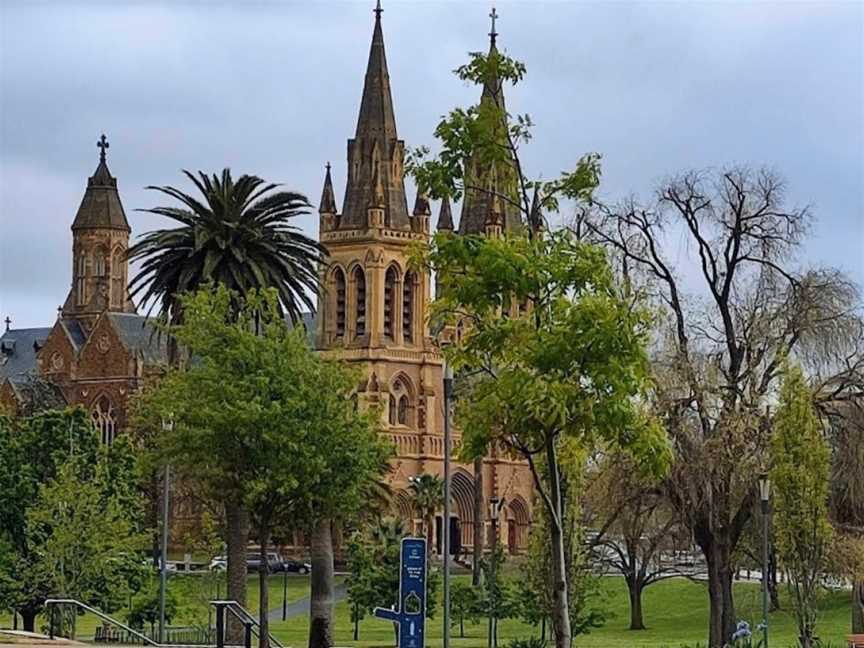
(145, 607)
(556, 353)
(465, 604)
(374, 556)
(497, 598)
(237, 234)
(800, 472)
(267, 422)
(34, 451)
(427, 496)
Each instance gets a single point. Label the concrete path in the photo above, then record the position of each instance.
(301, 607)
(21, 639)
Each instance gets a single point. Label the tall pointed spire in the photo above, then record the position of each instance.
(445, 216)
(328, 198)
(376, 107)
(478, 204)
(376, 147)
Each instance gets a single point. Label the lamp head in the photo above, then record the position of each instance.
(764, 487)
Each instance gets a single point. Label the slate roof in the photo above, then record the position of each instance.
(35, 394)
(139, 334)
(18, 349)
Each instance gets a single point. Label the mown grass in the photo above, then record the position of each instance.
(676, 613)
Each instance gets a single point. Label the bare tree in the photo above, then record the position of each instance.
(723, 338)
(634, 524)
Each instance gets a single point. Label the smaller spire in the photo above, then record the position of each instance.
(445, 216)
(328, 199)
(421, 205)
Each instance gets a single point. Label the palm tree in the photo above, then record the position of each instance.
(237, 234)
(427, 493)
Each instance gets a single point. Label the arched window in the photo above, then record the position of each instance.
(81, 289)
(408, 308)
(102, 416)
(391, 417)
(118, 290)
(399, 404)
(389, 301)
(360, 291)
(402, 414)
(100, 262)
(339, 281)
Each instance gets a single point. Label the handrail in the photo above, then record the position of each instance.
(245, 617)
(49, 602)
(232, 606)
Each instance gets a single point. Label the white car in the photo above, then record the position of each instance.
(218, 564)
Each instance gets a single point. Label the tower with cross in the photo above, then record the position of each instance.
(100, 238)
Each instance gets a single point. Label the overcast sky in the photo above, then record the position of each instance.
(274, 88)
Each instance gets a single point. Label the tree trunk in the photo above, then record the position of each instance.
(634, 588)
(321, 590)
(237, 522)
(560, 605)
(28, 619)
(479, 523)
(773, 591)
(721, 624)
(858, 607)
(264, 590)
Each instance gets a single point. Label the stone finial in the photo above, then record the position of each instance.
(445, 216)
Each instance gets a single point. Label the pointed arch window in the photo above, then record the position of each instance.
(81, 288)
(339, 282)
(360, 312)
(399, 410)
(389, 301)
(408, 308)
(100, 262)
(118, 290)
(102, 416)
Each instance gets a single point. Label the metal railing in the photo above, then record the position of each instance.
(250, 624)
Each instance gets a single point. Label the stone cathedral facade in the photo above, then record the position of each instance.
(372, 312)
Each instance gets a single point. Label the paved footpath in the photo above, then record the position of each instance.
(21, 639)
(301, 607)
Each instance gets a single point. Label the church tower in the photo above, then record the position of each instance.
(372, 307)
(100, 238)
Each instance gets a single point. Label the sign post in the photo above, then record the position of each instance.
(410, 609)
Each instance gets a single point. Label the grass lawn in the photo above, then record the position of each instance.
(676, 613)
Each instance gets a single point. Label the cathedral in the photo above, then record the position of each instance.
(371, 312)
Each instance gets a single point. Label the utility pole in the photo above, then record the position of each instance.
(448, 393)
(764, 496)
(167, 427)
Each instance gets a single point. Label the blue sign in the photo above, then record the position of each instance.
(410, 609)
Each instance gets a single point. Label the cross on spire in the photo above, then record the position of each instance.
(102, 144)
(8, 321)
(494, 16)
(378, 10)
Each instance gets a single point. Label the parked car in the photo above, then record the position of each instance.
(297, 567)
(219, 563)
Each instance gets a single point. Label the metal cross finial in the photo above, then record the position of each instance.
(102, 144)
(327, 166)
(494, 16)
(8, 321)
(378, 10)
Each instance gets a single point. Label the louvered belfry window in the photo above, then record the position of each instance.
(408, 308)
(339, 278)
(389, 299)
(360, 287)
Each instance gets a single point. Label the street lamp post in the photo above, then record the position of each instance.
(495, 506)
(764, 496)
(167, 427)
(284, 593)
(448, 393)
